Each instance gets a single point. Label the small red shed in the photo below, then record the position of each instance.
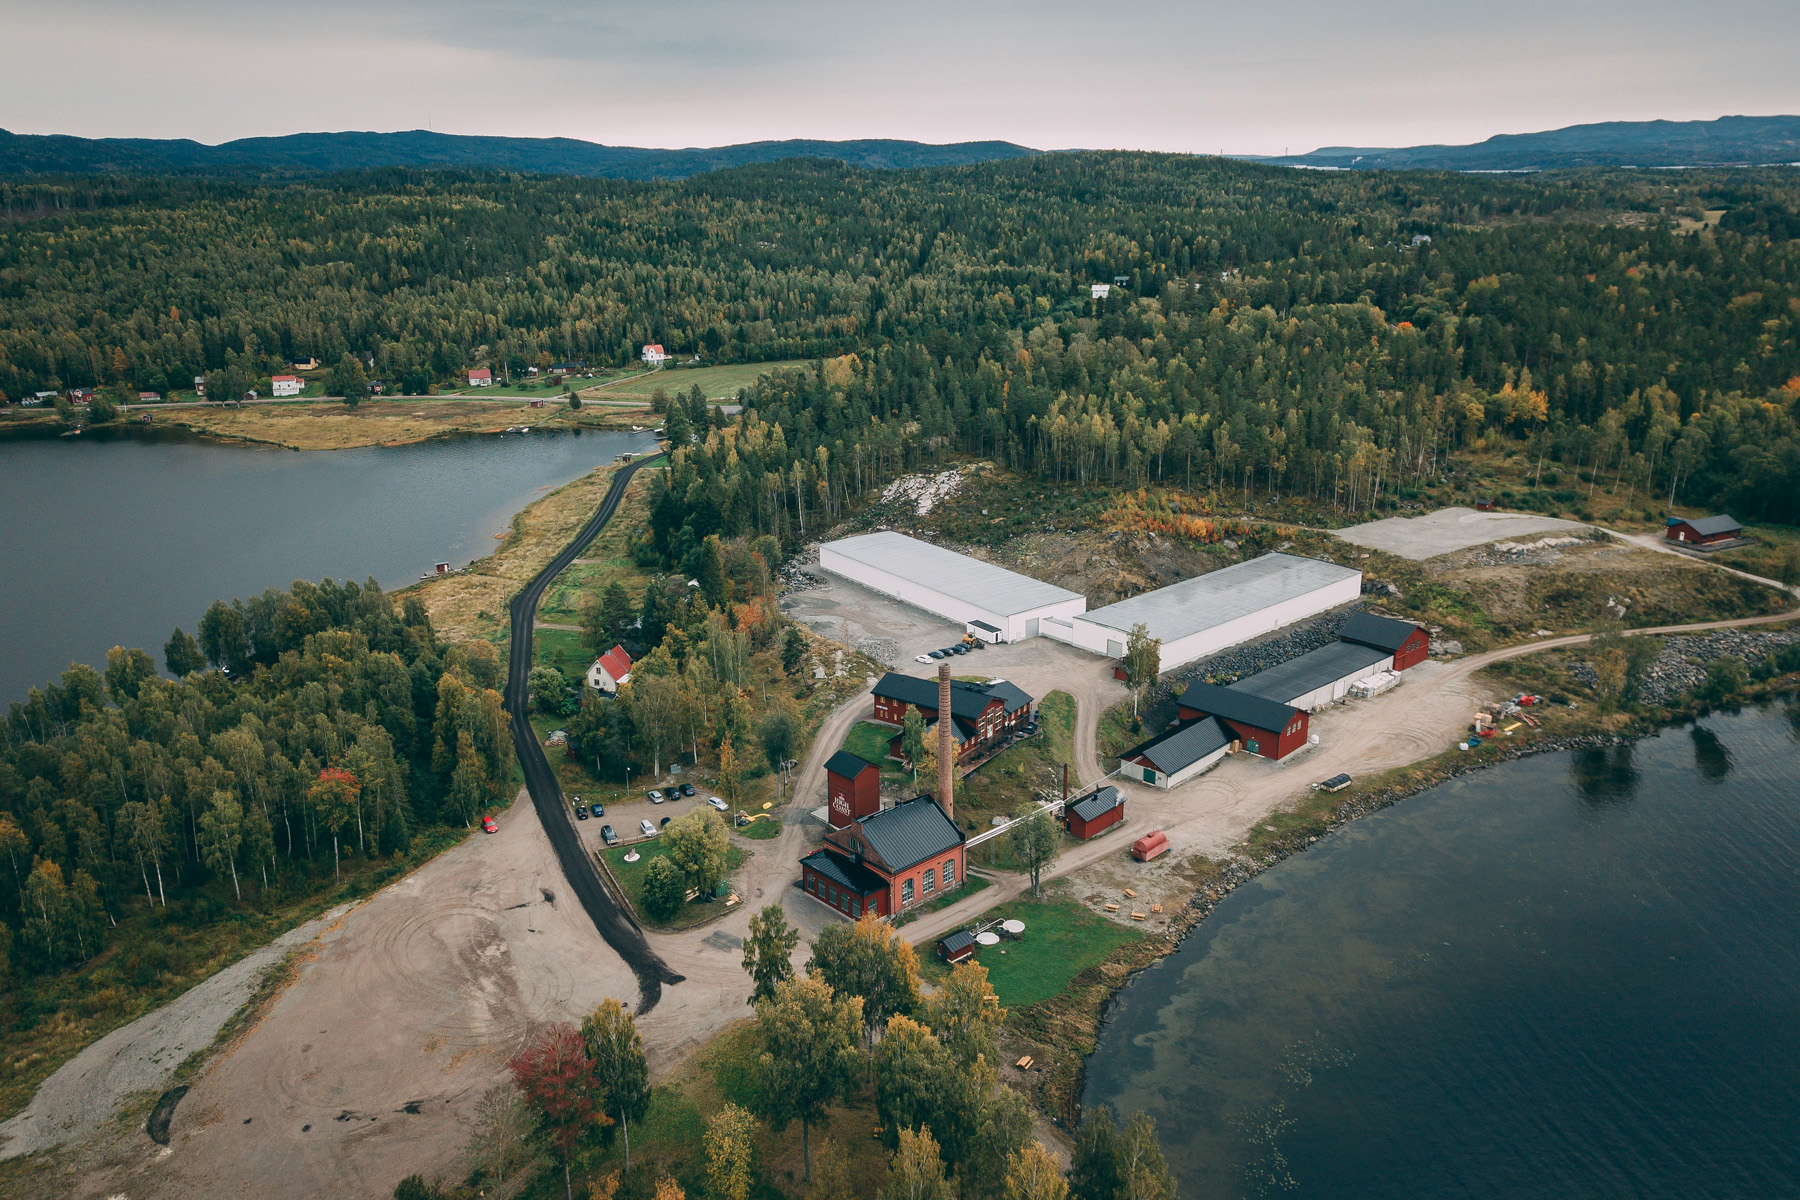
(852, 788)
(957, 947)
(1704, 531)
(1094, 813)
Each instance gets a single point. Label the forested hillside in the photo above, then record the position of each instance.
(1275, 331)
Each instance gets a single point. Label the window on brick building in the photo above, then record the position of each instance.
(930, 881)
(949, 872)
(906, 891)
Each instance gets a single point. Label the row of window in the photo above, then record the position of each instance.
(931, 875)
(844, 900)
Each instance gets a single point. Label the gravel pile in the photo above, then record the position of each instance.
(1237, 662)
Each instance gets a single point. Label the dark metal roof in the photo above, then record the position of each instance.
(845, 872)
(847, 764)
(1708, 526)
(1184, 745)
(1286, 682)
(1371, 630)
(957, 942)
(990, 629)
(910, 832)
(1234, 705)
(1097, 804)
(967, 700)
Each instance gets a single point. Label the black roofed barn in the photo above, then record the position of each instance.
(1704, 531)
(1094, 813)
(1179, 754)
(1409, 644)
(982, 714)
(1266, 727)
(888, 861)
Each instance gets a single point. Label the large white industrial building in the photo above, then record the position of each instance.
(991, 601)
(1204, 615)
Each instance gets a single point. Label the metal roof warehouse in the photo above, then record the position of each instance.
(949, 584)
(1203, 615)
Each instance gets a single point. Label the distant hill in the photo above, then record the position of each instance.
(1728, 141)
(318, 153)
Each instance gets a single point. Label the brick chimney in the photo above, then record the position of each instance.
(946, 745)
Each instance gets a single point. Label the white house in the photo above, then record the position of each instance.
(285, 385)
(1102, 290)
(654, 353)
(481, 377)
(610, 670)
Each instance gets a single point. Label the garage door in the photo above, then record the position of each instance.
(1031, 627)
(1115, 649)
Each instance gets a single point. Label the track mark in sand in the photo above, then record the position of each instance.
(164, 1112)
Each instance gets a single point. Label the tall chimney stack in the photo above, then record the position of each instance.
(946, 745)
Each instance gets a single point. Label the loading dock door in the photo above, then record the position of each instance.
(1115, 649)
(1031, 627)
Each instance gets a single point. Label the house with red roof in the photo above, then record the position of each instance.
(610, 670)
(286, 385)
(654, 353)
(481, 377)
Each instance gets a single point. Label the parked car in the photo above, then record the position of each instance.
(959, 648)
(598, 809)
(718, 804)
(608, 836)
(924, 658)
(581, 812)
(936, 654)
(647, 829)
(656, 797)
(687, 789)
(664, 821)
(488, 826)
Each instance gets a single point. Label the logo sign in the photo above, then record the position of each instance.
(841, 803)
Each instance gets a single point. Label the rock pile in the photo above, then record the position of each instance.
(1681, 667)
(923, 491)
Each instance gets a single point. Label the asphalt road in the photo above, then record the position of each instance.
(614, 924)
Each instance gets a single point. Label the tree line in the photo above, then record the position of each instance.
(331, 722)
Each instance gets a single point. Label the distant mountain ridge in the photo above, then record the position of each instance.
(1727, 141)
(320, 153)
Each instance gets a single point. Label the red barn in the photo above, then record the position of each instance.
(1409, 644)
(852, 788)
(956, 947)
(1094, 813)
(888, 861)
(1266, 727)
(1704, 531)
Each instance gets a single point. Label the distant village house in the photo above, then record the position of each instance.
(285, 385)
(654, 353)
(481, 377)
(609, 671)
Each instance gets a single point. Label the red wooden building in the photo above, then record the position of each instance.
(888, 861)
(1094, 813)
(852, 788)
(1266, 727)
(1409, 644)
(1704, 531)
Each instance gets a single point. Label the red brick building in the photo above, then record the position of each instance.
(982, 714)
(887, 862)
(852, 788)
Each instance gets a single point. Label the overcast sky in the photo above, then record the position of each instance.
(1199, 75)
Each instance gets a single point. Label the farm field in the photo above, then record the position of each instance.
(719, 383)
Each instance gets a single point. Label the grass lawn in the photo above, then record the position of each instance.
(1062, 939)
(761, 830)
(631, 878)
(719, 383)
(1115, 733)
(972, 884)
(562, 649)
(1006, 783)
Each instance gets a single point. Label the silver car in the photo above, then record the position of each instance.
(718, 804)
(647, 829)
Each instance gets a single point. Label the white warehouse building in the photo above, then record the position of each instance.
(990, 601)
(1206, 614)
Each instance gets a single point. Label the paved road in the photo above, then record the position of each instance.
(616, 926)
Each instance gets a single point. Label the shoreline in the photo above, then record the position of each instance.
(1242, 867)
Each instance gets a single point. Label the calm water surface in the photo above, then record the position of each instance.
(1572, 976)
(117, 540)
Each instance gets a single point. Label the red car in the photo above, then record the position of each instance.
(488, 826)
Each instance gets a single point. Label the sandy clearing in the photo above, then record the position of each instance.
(416, 999)
(144, 1055)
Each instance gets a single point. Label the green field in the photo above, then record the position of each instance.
(1062, 939)
(869, 742)
(1005, 784)
(719, 383)
(631, 878)
(562, 649)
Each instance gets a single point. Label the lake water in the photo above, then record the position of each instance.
(1573, 975)
(117, 539)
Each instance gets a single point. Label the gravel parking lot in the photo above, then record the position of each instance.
(1447, 529)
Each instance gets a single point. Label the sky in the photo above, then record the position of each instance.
(1265, 77)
